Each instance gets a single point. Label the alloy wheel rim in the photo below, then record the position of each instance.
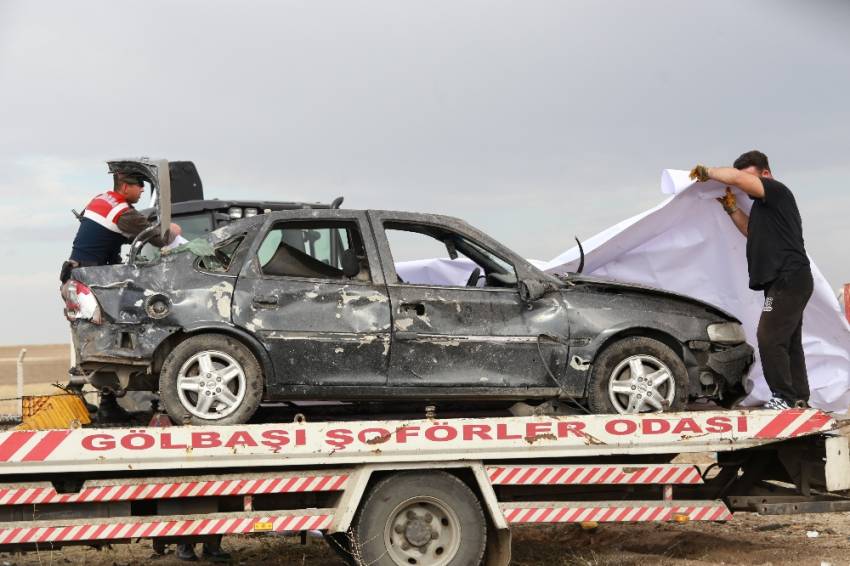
(641, 383)
(211, 385)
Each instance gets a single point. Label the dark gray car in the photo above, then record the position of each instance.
(307, 304)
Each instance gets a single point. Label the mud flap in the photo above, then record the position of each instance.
(498, 551)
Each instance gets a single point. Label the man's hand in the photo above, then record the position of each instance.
(699, 173)
(173, 232)
(729, 202)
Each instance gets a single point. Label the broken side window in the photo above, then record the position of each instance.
(422, 246)
(221, 258)
(314, 249)
(192, 226)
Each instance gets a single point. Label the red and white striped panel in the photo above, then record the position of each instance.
(791, 423)
(594, 475)
(315, 519)
(31, 445)
(169, 490)
(626, 512)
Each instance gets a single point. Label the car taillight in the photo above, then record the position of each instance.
(80, 303)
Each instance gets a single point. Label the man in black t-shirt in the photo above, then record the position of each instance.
(778, 265)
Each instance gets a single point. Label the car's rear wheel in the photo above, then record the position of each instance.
(637, 375)
(211, 379)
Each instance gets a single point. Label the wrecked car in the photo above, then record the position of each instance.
(307, 304)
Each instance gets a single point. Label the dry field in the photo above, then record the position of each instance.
(747, 539)
(43, 365)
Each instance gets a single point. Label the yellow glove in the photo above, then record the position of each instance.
(699, 173)
(729, 202)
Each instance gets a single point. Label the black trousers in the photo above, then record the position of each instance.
(780, 335)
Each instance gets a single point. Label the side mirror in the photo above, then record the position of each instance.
(531, 290)
(350, 263)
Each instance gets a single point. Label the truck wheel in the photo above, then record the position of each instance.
(211, 379)
(420, 519)
(637, 375)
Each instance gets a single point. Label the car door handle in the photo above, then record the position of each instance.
(414, 308)
(265, 300)
(405, 336)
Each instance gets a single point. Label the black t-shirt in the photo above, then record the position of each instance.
(774, 235)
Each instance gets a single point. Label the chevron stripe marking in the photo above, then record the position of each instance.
(779, 423)
(588, 475)
(815, 423)
(13, 443)
(615, 514)
(132, 492)
(46, 446)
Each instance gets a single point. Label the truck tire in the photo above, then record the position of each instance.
(637, 374)
(420, 519)
(210, 379)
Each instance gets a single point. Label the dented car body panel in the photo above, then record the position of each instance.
(336, 329)
(466, 336)
(368, 334)
(127, 294)
(601, 312)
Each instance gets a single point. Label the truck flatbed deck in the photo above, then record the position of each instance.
(418, 487)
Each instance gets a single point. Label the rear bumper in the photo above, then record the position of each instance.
(118, 344)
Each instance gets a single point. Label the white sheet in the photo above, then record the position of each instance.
(688, 244)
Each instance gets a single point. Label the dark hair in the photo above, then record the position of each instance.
(754, 157)
(120, 178)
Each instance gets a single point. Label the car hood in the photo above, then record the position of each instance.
(599, 282)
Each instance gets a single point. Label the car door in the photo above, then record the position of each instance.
(320, 325)
(449, 334)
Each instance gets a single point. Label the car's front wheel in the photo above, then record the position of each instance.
(211, 379)
(637, 375)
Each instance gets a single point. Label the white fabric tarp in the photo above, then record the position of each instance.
(688, 244)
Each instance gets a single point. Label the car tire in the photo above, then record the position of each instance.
(233, 384)
(615, 386)
(434, 508)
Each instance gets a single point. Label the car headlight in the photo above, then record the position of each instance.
(726, 333)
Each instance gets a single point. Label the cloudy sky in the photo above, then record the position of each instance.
(533, 120)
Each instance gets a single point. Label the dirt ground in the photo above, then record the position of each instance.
(747, 539)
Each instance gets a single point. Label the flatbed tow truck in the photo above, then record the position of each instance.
(429, 491)
(424, 491)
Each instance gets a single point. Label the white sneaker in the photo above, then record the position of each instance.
(776, 404)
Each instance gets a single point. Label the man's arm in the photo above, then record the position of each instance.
(730, 205)
(741, 221)
(133, 222)
(747, 182)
